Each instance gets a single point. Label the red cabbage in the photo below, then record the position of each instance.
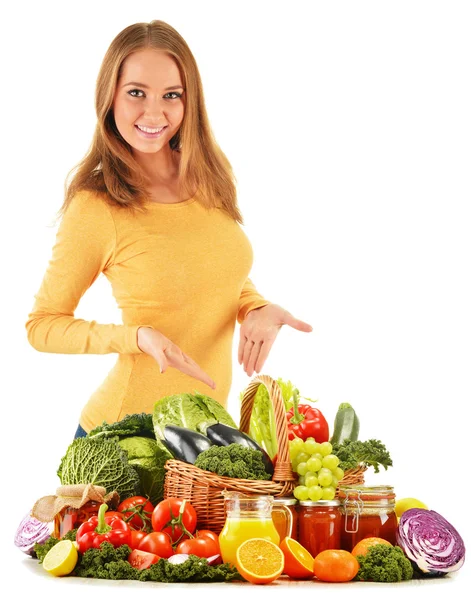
(430, 542)
(31, 531)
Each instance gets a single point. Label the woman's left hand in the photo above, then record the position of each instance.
(259, 331)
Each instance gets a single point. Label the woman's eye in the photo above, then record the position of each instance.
(140, 91)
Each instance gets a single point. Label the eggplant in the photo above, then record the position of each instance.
(223, 435)
(185, 444)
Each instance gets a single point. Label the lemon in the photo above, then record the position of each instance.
(405, 503)
(61, 558)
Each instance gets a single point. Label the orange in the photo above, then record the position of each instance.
(363, 545)
(335, 565)
(299, 563)
(259, 560)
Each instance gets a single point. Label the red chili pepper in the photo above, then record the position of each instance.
(306, 421)
(102, 529)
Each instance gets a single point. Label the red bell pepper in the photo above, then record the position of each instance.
(102, 528)
(306, 421)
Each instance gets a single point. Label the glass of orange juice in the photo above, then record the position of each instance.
(247, 517)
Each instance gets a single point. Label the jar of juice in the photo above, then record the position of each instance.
(247, 517)
(71, 518)
(319, 525)
(367, 511)
(285, 517)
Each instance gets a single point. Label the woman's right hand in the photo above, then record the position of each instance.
(168, 354)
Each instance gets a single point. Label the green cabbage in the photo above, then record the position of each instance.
(100, 462)
(193, 411)
(148, 457)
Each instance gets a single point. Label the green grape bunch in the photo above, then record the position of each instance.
(317, 468)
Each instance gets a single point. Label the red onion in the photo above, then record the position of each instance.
(31, 531)
(430, 542)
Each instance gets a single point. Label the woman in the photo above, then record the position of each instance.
(153, 207)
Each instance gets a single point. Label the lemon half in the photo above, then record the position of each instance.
(61, 558)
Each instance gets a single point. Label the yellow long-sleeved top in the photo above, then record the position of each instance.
(181, 269)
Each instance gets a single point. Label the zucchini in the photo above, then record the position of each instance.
(346, 424)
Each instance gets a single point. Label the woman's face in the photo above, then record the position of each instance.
(142, 99)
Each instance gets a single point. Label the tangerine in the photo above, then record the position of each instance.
(362, 547)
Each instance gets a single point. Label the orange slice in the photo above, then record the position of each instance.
(299, 563)
(259, 560)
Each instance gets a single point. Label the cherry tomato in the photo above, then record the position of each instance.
(168, 511)
(140, 507)
(136, 538)
(142, 560)
(335, 565)
(199, 546)
(157, 542)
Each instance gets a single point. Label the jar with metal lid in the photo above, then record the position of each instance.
(285, 517)
(319, 525)
(367, 511)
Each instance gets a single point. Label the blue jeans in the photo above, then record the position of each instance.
(80, 432)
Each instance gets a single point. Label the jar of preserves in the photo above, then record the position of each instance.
(285, 517)
(319, 525)
(70, 518)
(367, 511)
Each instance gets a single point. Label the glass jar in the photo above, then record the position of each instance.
(285, 517)
(319, 525)
(246, 517)
(367, 511)
(71, 518)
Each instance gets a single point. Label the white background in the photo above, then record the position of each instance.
(348, 127)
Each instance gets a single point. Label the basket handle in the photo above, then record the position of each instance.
(283, 470)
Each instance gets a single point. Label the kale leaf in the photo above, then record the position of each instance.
(371, 453)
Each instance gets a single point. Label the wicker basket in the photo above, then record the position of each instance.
(204, 489)
(352, 477)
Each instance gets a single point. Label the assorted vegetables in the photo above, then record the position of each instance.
(149, 538)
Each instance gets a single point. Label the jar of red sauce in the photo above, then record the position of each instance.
(319, 525)
(71, 518)
(285, 516)
(367, 511)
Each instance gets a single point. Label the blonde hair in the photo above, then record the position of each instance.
(109, 167)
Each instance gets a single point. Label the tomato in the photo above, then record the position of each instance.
(142, 560)
(335, 565)
(365, 544)
(157, 542)
(136, 538)
(114, 513)
(209, 535)
(199, 546)
(167, 513)
(206, 533)
(140, 507)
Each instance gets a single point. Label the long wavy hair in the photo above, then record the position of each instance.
(109, 167)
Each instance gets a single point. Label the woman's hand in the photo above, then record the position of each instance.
(168, 354)
(259, 331)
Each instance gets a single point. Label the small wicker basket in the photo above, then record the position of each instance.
(204, 489)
